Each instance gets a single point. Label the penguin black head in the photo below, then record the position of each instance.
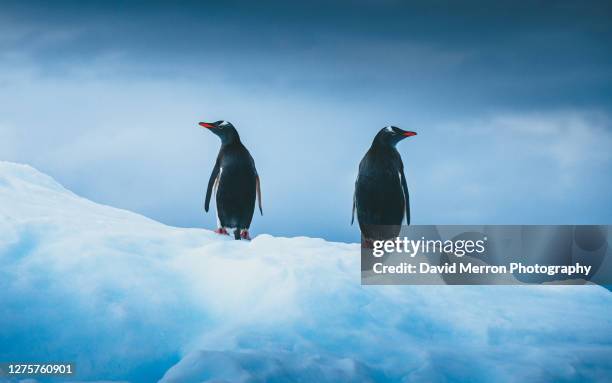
(391, 135)
(224, 129)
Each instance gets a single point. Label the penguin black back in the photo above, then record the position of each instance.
(381, 196)
(234, 180)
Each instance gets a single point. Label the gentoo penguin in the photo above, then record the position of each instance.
(381, 193)
(236, 182)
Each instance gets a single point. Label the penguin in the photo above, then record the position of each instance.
(235, 182)
(381, 192)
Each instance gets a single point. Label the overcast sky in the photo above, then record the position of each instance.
(512, 104)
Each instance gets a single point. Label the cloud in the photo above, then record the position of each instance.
(508, 131)
(574, 140)
(519, 167)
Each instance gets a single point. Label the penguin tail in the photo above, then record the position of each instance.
(237, 234)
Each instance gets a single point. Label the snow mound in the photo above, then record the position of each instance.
(130, 299)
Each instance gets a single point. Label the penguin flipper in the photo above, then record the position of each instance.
(406, 195)
(258, 188)
(353, 214)
(211, 182)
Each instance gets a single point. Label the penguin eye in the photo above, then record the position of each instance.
(224, 123)
(389, 129)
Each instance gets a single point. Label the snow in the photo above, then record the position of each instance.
(130, 299)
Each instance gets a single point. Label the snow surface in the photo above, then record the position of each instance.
(130, 299)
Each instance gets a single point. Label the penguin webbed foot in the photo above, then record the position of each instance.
(238, 234)
(221, 231)
(367, 243)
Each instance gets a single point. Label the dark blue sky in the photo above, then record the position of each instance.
(512, 103)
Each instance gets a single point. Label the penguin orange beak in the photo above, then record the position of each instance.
(206, 125)
(410, 134)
